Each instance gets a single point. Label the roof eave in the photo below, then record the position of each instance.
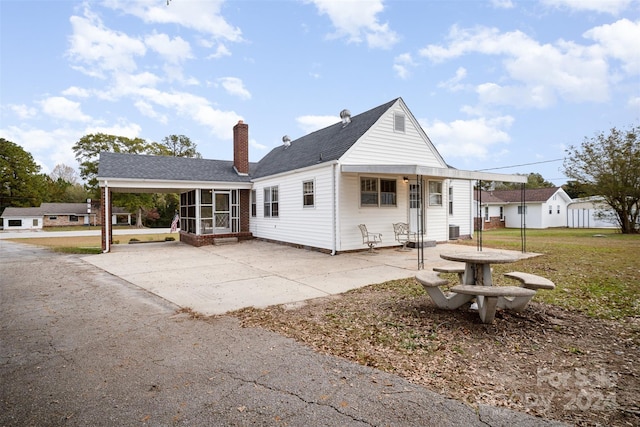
(433, 171)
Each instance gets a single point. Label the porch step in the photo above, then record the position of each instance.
(425, 244)
(225, 240)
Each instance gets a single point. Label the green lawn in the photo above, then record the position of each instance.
(596, 271)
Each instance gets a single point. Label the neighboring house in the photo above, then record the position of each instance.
(543, 208)
(59, 215)
(591, 212)
(376, 168)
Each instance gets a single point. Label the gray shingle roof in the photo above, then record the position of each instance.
(55, 209)
(23, 212)
(511, 196)
(138, 166)
(320, 146)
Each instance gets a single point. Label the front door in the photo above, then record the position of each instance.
(222, 214)
(416, 222)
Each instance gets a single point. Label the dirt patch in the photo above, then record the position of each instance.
(545, 361)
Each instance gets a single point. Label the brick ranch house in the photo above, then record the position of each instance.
(375, 168)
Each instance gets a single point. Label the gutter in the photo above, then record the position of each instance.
(334, 208)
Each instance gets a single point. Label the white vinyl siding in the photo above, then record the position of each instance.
(351, 213)
(383, 145)
(297, 224)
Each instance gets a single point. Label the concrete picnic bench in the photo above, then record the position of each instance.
(475, 282)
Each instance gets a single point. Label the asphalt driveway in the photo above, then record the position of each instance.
(80, 346)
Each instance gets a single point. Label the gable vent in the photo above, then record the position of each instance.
(286, 141)
(345, 115)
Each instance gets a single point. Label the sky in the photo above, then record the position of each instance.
(500, 85)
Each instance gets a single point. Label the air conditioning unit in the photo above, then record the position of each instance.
(454, 232)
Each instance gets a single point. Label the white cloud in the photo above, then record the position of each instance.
(502, 4)
(254, 144)
(634, 102)
(234, 86)
(146, 109)
(619, 40)
(357, 20)
(538, 72)
(221, 51)
(401, 65)
(23, 111)
(202, 17)
(173, 50)
(98, 49)
(453, 84)
(194, 107)
(613, 7)
(312, 123)
(48, 147)
(126, 129)
(62, 108)
(538, 96)
(78, 92)
(468, 139)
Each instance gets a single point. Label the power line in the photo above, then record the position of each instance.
(524, 164)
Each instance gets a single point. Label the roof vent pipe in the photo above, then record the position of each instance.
(345, 115)
(286, 140)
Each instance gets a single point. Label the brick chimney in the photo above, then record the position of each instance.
(241, 148)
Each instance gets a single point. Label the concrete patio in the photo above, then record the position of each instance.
(217, 279)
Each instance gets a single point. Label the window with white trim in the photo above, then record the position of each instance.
(501, 213)
(308, 194)
(271, 202)
(486, 213)
(398, 122)
(450, 200)
(520, 210)
(435, 193)
(550, 209)
(558, 208)
(377, 192)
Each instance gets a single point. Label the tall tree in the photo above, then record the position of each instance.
(177, 146)
(87, 151)
(609, 165)
(64, 172)
(574, 189)
(89, 147)
(21, 183)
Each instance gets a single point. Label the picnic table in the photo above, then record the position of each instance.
(477, 269)
(476, 282)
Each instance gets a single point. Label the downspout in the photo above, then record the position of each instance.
(334, 213)
(107, 218)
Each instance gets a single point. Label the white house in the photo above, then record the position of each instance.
(375, 168)
(543, 208)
